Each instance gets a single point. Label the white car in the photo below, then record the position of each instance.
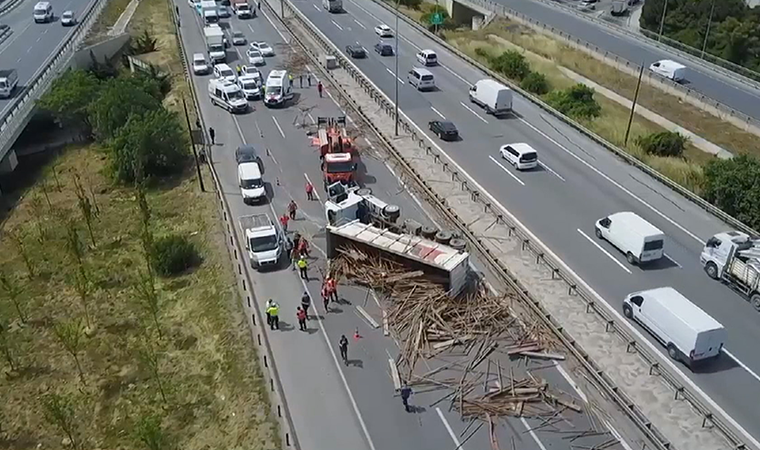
(224, 72)
(200, 66)
(67, 19)
(223, 12)
(383, 30)
(263, 47)
(521, 156)
(250, 70)
(254, 57)
(238, 38)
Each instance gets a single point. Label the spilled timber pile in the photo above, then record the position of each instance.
(467, 346)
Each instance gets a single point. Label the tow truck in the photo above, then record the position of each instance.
(336, 151)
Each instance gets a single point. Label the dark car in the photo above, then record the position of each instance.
(356, 51)
(384, 49)
(445, 130)
(246, 153)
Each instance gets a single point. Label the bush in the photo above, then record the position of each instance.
(576, 101)
(665, 143)
(483, 53)
(412, 4)
(536, 83)
(70, 96)
(173, 254)
(733, 185)
(512, 64)
(144, 43)
(118, 101)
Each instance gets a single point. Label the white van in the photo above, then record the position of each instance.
(669, 69)
(43, 12)
(422, 79)
(491, 95)
(639, 240)
(522, 156)
(427, 58)
(225, 73)
(277, 89)
(689, 334)
(250, 181)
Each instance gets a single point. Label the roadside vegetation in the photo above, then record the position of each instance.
(120, 324)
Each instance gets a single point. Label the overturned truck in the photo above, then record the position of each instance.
(437, 261)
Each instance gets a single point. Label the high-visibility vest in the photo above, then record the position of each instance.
(273, 311)
(301, 263)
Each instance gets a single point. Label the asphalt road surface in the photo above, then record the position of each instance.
(577, 183)
(334, 406)
(739, 96)
(31, 44)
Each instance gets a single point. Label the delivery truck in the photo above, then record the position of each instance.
(263, 241)
(242, 9)
(209, 12)
(215, 43)
(8, 82)
(734, 258)
(492, 96)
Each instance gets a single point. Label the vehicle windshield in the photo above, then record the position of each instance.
(263, 243)
(254, 54)
(199, 61)
(250, 85)
(216, 48)
(237, 34)
(235, 95)
(243, 7)
(340, 167)
(3, 85)
(67, 15)
(227, 73)
(252, 183)
(529, 157)
(276, 90)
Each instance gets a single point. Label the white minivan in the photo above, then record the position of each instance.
(689, 334)
(521, 156)
(251, 184)
(669, 69)
(639, 240)
(427, 57)
(422, 79)
(43, 12)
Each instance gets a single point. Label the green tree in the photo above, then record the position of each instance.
(70, 334)
(664, 143)
(11, 291)
(733, 185)
(512, 64)
(120, 100)
(577, 102)
(150, 145)
(148, 432)
(536, 83)
(70, 96)
(60, 411)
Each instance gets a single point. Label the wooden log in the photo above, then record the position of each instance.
(544, 355)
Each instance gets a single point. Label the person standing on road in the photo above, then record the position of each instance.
(284, 222)
(332, 288)
(303, 247)
(274, 313)
(300, 80)
(270, 303)
(309, 191)
(406, 392)
(212, 135)
(303, 268)
(325, 298)
(301, 316)
(343, 346)
(306, 303)
(292, 208)
(319, 88)
(258, 5)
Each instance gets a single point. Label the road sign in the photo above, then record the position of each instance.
(436, 18)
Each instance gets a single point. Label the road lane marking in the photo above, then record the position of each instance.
(448, 428)
(672, 260)
(532, 433)
(438, 112)
(251, 28)
(506, 170)
(473, 112)
(603, 251)
(282, 133)
(315, 6)
(336, 24)
(744, 366)
(316, 191)
(394, 75)
(360, 24)
(551, 170)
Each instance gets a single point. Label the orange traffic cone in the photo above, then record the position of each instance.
(357, 336)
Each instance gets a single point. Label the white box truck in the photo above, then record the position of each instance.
(689, 334)
(333, 6)
(228, 95)
(209, 12)
(734, 258)
(263, 240)
(8, 82)
(492, 96)
(669, 69)
(215, 43)
(242, 9)
(639, 240)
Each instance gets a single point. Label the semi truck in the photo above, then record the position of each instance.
(263, 240)
(734, 258)
(242, 9)
(215, 43)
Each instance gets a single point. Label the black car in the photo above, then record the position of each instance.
(384, 49)
(356, 51)
(445, 130)
(246, 153)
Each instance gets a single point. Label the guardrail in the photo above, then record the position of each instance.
(244, 283)
(44, 76)
(558, 269)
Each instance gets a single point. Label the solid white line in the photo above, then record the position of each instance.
(438, 112)
(551, 170)
(315, 7)
(570, 381)
(360, 24)
(284, 39)
(251, 28)
(473, 112)
(371, 145)
(603, 250)
(506, 170)
(532, 433)
(370, 320)
(282, 133)
(744, 366)
(394, 75)
(672, 260)
(336, 24)
(448, 428)
(316, 191)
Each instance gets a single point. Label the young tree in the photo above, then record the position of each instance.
(150, 357)
(85, 207)
(12, 291)
(7, 346)
(73, 243)
(18, 239)
(38, 211)
(70, 96)
(81, 283)
(149, 299)
(149, 433)
(70, 334)
(60, 411)
(146, 236)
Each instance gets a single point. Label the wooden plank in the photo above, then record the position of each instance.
(544, 355)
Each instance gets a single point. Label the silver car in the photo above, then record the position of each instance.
(238, 38)
(200, 66)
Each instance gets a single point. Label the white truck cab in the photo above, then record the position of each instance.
(263, 241)
(734, 258)
(228, 95)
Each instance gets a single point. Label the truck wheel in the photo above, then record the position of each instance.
(628, 311)
(630, 258)
(598, 233)
(712, 270)
(755, 301)
(673, 352)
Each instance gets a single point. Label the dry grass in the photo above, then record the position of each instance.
(107, 19)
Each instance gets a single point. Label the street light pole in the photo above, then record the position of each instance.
(707, 33)
(633, 106)
(396, 55)
(662, 21)
(192, 143)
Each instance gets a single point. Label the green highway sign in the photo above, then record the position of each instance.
(436, 18)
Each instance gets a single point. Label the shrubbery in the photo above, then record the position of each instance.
(536, 83)
(733, 185)
(512, 64)
(173, 254)
(577, 101)
(664, 143)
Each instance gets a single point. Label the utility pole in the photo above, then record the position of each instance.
(633, 105)
(192, 143)
(396, 55)
(662, 21)
(707, 33)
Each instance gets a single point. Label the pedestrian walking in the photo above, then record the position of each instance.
(303, 268)
(325, 299)
(301, 316)
(406, 392)
(303, 247)
(212, 135)
(343, 346)
(284, 222)
(258, 5)
(198, 123)
(309, 190)
(332, 288)
(292, 208)
(308, 78)
(274, 314)
(306, 303)
(300, 80)
(269, 304)
(319, 88)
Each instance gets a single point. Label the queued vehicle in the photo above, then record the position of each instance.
(383, 30)
(223, 12)
(384, 48)
(356, 51)
(67, 19)
(254, 57)
(444, 129)
(200, 65)
(238, 38)
(224, 73)
(264, 48)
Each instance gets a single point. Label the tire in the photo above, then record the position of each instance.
(598, 233)
(755, 301)
(673, 352)
(712, 270)
(628, 311)
(630, 258)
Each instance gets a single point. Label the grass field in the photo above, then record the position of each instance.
(107, 19)
(205, 362)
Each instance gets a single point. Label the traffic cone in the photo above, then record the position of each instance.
(357, 336)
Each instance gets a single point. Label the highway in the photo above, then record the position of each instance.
(727, 91)
(334, 406)
(578, 182)
(31, 44)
